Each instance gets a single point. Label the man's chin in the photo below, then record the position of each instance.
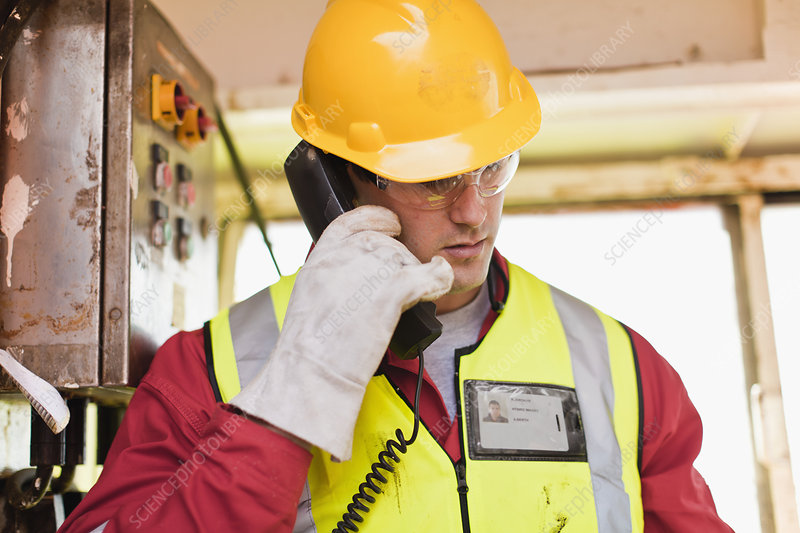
(469, 275)
(465, 288)
(464, 283)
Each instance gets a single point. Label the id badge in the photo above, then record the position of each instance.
(523, 422)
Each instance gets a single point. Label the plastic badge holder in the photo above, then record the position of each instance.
(510, 421)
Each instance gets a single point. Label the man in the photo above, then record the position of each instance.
(270, 417)
(494, 413)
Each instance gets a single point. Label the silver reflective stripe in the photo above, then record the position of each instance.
(591, 367)
(305, 520)
(254, 330)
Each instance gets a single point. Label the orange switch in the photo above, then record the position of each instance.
(168, 102)
(195, 127)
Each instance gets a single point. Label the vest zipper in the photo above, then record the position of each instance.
(461, 477)
(461, 474)
(461, 465)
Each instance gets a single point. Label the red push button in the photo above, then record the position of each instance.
(162, 180)
(186, 193)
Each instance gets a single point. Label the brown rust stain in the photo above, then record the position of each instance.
(91, 162)
(95, 252)
(84, 209)
(11, 333)
(80, 320)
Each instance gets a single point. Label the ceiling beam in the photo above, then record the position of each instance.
(666, 181)
(669, 180)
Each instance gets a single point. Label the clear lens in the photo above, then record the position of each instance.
(437, 194)
(497, 176)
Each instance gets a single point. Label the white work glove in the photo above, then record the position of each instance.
(344, 307)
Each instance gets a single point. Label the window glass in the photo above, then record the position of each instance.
(780, 224)
(254, 267)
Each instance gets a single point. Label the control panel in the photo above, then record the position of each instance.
(112, 252)
(173, 255)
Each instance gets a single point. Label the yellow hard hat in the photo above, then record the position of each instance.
(413, 90)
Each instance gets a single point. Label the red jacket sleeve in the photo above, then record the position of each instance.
(182, 462)
(674, 495)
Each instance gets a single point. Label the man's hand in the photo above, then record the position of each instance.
(343, 310)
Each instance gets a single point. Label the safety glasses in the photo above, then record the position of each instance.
(437, 194)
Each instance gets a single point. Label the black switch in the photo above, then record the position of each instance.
(184, 226)
(184, 173)
(160, 210)
(160, 154)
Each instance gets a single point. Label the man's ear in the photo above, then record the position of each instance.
(351, 174)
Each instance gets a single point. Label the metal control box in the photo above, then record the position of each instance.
(106, 194)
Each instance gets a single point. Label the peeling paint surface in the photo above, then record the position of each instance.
(18, 119)
(13, 212)
(29, 36)
(15, 427)
(52, 305)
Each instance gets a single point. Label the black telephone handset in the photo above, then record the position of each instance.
(323, 191)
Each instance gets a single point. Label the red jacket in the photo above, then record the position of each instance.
(182, 462)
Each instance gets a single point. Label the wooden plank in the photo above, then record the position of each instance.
(587, 186)
(229, 241)
(668, 180)
(762, 378)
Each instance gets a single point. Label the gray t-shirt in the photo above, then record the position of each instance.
(460, 328)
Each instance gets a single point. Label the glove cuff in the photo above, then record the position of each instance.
(320, 409)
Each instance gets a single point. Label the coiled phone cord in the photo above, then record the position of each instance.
(393, 450)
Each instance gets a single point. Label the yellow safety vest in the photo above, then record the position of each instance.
(543, 337)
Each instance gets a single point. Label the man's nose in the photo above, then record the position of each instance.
(469, 208)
